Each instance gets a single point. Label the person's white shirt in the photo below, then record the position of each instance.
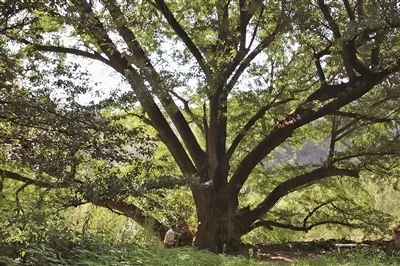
(169, 238)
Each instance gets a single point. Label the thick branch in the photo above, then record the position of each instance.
(317, 58)
(142, 61)
(390, 69)
(269, 224)
(223, 20)
(244, 21)
(247, 11)
(122, 65)
(349, 10)
(320, 71)
(257, 116)
(138, 215)
(349, 55)
(302, 115)
(328, 17)
(239, 59)
(127, 209)
(360, 9)
(162, 6)
(291, 185)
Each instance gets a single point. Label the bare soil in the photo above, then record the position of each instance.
(291, 251)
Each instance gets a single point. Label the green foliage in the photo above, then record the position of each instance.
(219, 93)
(64, 247)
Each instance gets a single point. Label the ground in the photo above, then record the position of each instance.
(293, 251)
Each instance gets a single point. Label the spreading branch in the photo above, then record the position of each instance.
(164, 9)
(257, 116)
(291, 185)
(29, 181)
(349, 52)
(311, 213)
(122, 65)
(127, 209)
(256, 27)
(349, 10)
(66, 50)
(134, 212)
(317, 58)
(243, 63)
(328, 17)
(303, 114)
(366, 153)
(365, 117)
(141, 60)
(269, 224)
(17, 192)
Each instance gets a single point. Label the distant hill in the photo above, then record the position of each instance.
(309, 154)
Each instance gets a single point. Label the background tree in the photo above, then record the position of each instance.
(322, 71)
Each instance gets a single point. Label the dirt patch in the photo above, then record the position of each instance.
(291, 251)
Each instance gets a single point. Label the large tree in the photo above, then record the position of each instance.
(295, 67)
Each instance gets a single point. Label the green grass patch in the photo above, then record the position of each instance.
(127, 255)
(66, 247)
(101, 253)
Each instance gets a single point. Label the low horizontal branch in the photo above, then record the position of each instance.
(270, 224)
(291, 185)
(126, 209)
(135, 213)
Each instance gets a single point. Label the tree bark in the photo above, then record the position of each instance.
(136, 214)
(216, 229)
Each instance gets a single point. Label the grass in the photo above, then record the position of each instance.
(101, 253)
(129, 255)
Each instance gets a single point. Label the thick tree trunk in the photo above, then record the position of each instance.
(216, 230)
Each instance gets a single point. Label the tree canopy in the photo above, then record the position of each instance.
(221, 95)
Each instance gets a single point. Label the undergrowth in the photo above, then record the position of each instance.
(69, 248)
(93, 250)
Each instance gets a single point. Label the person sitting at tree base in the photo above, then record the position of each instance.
(396, 234)
(186, 235)
(171, 236)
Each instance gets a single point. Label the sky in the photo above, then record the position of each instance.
(107, 78)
